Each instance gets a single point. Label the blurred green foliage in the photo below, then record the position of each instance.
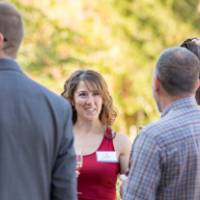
(119, 38)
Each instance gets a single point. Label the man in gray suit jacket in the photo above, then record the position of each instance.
(37, 158)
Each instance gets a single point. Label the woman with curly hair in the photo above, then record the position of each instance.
(105, 153)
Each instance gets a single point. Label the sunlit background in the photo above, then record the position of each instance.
(119, 38)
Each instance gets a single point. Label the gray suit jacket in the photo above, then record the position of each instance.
(37, 159)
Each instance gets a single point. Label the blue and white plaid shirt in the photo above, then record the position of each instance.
(165, 161)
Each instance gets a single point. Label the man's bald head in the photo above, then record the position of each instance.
(11, 27)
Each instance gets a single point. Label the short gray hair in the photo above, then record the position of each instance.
(178, 69)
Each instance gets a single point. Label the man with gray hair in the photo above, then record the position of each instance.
(37, 158)
(165, 161)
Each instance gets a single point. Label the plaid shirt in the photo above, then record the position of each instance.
(165, 161)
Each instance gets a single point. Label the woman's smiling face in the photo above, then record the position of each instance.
(87, 101)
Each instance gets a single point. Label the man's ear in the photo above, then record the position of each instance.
(197, 84)
(1, 40)
(157, 84)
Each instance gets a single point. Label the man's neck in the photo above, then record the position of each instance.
(167, 101)
(5, 56)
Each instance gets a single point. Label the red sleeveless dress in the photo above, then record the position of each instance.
(97, 180)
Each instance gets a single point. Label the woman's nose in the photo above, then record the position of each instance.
(90, 99)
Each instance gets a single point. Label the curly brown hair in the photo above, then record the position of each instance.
(108, 113)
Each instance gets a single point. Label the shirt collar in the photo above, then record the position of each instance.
(9, 64)
(180, 103)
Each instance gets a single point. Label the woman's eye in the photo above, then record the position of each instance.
(83, 94)
(96, 94)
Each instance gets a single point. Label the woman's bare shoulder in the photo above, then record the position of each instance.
(122, 141)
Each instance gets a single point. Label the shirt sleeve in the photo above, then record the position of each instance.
(145, 171)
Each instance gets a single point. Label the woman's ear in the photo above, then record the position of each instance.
(72, 102)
